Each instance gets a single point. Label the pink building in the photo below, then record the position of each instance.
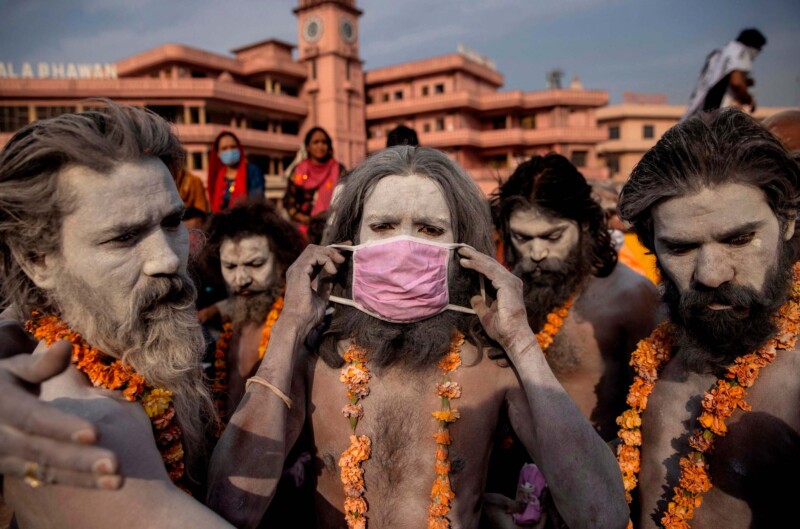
(270, 96)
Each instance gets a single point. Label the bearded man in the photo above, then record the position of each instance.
(251, 246)
(94, 252)
(715, 422)
(382, 387)
(588, 310)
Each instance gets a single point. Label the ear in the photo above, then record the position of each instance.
(40, 269)
(788, 231)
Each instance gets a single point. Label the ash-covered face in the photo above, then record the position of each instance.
(726, 266)
(722, 235)
(542, 242)
(248, 265)
(406, 205)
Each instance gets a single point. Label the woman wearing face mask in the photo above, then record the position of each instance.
(230, 177)
(310, 189)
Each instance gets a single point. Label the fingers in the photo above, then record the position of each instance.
(53, 453)
(45, 363)
(24, 412)
(315, 259)
(16, 467)
(489, 267)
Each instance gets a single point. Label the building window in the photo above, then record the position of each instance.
(398, 96)
(439, 124)
(579, 158)
(52, 112)
(528, 122)
(426, 127)
(439, 88)
(385, 98)
(613, 132)
(313, 69)
(13, 118)
(648, 132)
(425, 90)
(369, 99)
(613, 164)
(498, 122)
(197, 160)
(498, 162)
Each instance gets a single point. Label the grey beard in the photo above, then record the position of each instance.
(253, 308)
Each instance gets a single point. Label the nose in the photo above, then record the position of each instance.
(537, 251)
(242, 279)
(712, 268)
(162, 256)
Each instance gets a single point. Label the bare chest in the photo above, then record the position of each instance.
(760, 449)
(399, 422)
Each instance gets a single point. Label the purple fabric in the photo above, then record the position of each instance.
(402, 280)
(530, 486)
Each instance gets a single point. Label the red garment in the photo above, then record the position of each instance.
(320, 176)
(216, 176)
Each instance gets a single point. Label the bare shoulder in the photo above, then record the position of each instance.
(624, 283)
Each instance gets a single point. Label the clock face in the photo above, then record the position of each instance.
(312, 29)
(348, 30)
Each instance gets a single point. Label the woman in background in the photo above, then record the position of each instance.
(230, 177)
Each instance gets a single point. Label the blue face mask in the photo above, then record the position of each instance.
(230, 157)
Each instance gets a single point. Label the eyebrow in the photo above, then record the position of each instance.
(389, 218)
(124, 227)
(743, 229)
(545, 233)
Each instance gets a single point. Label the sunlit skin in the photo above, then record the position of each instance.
(318, 147)
(398, 409)
(708, 238)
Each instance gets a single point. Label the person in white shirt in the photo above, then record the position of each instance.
(725, 78)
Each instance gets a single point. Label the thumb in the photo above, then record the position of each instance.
(45, 362)
(479, 305)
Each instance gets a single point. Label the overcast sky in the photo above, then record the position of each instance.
(615, 45)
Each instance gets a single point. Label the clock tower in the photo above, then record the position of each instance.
(334, 89)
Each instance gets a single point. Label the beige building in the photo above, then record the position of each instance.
(635, 125)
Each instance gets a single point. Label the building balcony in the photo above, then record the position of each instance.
(623, 146)
(515, 100)
(252, 139)
(488, 139)
(146, 90)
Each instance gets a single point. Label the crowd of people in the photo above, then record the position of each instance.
(388, 347)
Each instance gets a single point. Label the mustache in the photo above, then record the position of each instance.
(175, 292)
(694, 302)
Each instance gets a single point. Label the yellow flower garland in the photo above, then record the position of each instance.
(356, 376)
(718, 404)
(220, 381)
(110, 373)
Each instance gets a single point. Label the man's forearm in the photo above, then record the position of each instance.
(248, 460)
(580, 469)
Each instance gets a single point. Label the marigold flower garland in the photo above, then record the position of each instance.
(441, 492)
(718, 404)
(219, 385)
(553, 324)
(107, 372)
(356, 376)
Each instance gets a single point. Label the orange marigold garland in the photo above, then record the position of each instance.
(356, 376)
(718, 404)
(441, 492)
(219, 385)
(553, 324)
(107, 372)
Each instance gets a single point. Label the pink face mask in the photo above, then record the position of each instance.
(401, 279)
